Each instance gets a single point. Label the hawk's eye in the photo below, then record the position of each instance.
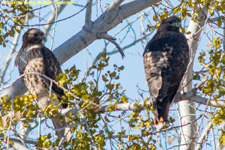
(35, 34)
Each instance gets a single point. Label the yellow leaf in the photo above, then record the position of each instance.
(219, 22)
(223, 5)
(118, 144)
(189, 32)
(137, 127)
(148, 123)
(106, 119)
(182, 30)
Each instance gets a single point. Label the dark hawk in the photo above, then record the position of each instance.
(166, 57)
(34, 59)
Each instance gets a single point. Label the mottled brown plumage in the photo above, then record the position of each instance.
(34, 59)
(166, 58)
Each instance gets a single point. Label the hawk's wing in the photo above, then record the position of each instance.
(52, 69)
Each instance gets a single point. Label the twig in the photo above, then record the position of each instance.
(201, 83)
(88, 21)
(112, 40)
(49, 27)
(53, 17)
(70, 125)
(203, 136)
(99, 5)
(18, 140)
(159, 141)
(54, 21)
(131, 44)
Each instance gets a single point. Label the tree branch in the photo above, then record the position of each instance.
(187, 113)
(115, 5)
(203, 136)
(19, 146)
(112, 40)
(141, 105)
(9, 57)
(88, 13)
(18, 140)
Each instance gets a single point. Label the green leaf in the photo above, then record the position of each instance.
(104, 78)
(113, 74)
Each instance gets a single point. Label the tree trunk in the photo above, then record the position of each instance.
(187, 112)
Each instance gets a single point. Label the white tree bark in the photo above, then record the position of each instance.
(108, 20)
(187, 112)
(203, 136)
(9, 57)
(18, 146)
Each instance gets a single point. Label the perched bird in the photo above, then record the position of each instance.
(166, 57)
(35, 60)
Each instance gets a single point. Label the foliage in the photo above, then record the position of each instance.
(12, 17)
(89, 96)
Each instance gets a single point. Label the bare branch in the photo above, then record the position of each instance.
(112, 40)
(131, 44)
(213, 19)
(179, 97)
(202, 82)
(19, 146)
(198, 99)
(115, 5)
(127, 106)
(18, 140)
(88, 21)
(9, 57)
(203, 136)
(52, 18)
(70, 125)
(99, 5)
(66, 111)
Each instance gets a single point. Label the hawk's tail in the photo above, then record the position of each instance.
(160, 118)
(59, 123)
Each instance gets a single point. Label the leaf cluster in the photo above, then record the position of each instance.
(12, 17)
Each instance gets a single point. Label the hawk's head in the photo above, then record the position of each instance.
(172, 23)
(33, 36)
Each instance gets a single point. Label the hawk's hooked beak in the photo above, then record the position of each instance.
(43, 39)
(176, 24)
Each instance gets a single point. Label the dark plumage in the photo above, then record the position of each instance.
(35, 57)
(166, 58)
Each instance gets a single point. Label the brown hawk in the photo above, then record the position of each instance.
(166, 57)
(34, 59)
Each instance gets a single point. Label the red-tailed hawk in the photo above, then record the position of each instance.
(166, 58)
(34, 59)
